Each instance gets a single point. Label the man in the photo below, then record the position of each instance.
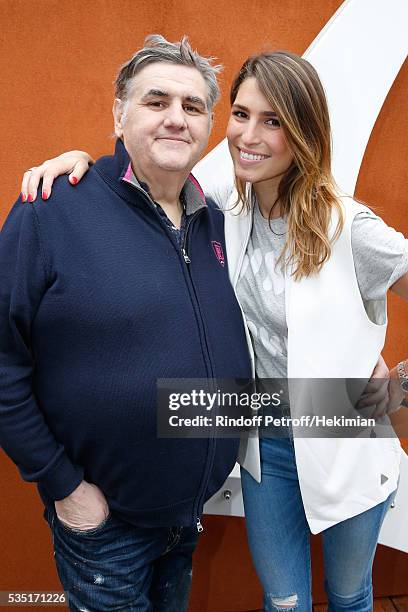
(104, 290)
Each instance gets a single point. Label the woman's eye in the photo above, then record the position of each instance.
(273, 122)
(239, 114)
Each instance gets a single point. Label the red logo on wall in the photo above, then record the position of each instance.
(218, 252)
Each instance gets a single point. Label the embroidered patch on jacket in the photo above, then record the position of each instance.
(218, 252)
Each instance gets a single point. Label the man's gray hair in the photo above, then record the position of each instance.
(158, 49)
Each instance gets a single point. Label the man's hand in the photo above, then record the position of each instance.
(383, 392)
(376, 393)
(74, 163)
(85, 508)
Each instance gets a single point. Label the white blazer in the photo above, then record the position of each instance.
(330, 335)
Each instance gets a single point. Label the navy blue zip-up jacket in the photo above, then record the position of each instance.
(97, 302)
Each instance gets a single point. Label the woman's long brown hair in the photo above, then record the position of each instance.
(307, 192)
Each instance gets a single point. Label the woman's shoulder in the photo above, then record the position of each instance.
(353, 207)
(368, 228)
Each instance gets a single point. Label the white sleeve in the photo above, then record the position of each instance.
(380, 255)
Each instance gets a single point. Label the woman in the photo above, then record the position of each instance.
(311, 269)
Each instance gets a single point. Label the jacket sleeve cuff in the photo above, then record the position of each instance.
(62, 478)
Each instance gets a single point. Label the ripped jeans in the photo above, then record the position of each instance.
(118, 566)
(279, 535)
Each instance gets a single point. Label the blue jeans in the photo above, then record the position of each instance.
(279, 539)
(118, 566)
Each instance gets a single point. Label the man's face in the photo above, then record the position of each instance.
(165, 123)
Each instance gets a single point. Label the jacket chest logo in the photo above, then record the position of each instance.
(219, 253)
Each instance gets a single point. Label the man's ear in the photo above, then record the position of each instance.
(118, 111)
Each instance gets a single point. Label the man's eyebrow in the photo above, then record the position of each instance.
(263, 113)
(196, 100)
(155, 93)
(159, 93)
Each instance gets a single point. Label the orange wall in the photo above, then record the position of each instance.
(58, 60)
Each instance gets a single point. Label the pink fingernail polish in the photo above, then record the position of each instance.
(74, 180)
(23, 197)
(44, 195)
(30, 198)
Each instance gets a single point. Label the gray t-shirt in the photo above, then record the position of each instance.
(380, 258)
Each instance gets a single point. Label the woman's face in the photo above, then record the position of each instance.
(256, 141)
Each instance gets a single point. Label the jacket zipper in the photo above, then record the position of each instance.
(185, 256)
(184, 245)
(211, 441)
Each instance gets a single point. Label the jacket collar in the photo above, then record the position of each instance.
(117, 171)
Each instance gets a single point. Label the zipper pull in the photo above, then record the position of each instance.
(186, 257)
(200, 528)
